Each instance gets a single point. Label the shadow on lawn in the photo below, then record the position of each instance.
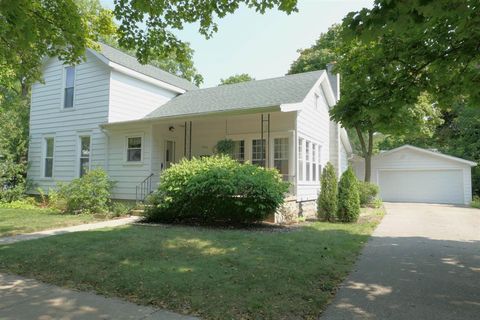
(250, 274)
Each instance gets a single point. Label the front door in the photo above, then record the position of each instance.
(169, 153)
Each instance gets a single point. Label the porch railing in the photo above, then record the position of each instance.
(144, 189)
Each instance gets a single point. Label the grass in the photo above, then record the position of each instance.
(16, 221)
(213, 273)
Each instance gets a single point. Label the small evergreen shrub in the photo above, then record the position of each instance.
(88, 194)
(476, 202)
(348, 197)
(327, 199)
(216, 189)
(368, 193)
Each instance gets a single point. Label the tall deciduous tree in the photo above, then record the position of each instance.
(147, 25)
(434, 43)
(243, 77)
(320, 54)
(31, 30)
(368, 107)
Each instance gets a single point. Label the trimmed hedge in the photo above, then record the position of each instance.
(327, 199)
(216, 190)
(348, 197)
(368, 193)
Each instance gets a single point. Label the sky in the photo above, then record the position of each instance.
(263, 46)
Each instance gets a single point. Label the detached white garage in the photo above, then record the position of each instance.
(411, 174)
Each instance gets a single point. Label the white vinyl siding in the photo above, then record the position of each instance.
(313, 125)
(131, 98)
(47, 115)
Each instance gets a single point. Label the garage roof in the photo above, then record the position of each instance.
(429, 152)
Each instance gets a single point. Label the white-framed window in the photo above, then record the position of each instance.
(280, 156)
(258, 152)
(134, 149)
(69, 87)
(48, 154)
(84, 155)
(317, 102)
(307, 160)
(314, 162)
(319, 162)
(300, 159)
(239, 150)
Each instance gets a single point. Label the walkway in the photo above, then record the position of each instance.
(423, 262)
(81, 227)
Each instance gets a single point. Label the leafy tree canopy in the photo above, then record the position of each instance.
(433, 43)
(320, 54)
(369, 107)
(161, 17)
(243, 77)
(34, 29)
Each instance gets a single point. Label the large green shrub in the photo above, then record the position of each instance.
(327, 199)
(88, 194)
(348, 197)
(368, 193)
(216, 189)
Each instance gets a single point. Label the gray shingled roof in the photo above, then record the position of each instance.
(130, 62)
(240, 96)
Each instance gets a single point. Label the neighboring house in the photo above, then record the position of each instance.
(411, 174)
(135, 120)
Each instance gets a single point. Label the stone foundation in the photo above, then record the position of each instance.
(292, 210)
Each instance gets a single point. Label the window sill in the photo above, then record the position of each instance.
(67, 109)
(133, 163)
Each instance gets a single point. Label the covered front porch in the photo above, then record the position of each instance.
(264, 138)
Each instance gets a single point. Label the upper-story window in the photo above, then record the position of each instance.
(317, 102)
(69, 87)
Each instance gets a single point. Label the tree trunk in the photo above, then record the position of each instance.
(367, 150)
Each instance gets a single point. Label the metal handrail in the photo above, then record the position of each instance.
(144, 188)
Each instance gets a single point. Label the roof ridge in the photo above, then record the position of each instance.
(260, 80)
(144, 65)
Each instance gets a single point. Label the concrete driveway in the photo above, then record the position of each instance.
(423, 262)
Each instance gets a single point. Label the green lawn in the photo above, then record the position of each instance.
(213, 273)
(15, 221)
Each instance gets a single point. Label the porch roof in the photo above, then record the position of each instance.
(240, 96)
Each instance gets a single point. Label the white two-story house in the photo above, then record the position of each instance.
(136, 120)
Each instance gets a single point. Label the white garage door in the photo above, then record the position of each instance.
(432, 186)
